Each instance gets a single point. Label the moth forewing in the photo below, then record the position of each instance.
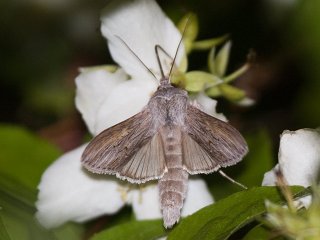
(210, 143)
(125, 150)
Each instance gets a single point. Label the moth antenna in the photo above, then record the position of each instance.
(164, 51)
(156, 47)
(136, 56)
(232, 180)
(175, 55)
(164, 79)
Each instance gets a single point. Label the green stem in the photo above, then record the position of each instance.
(236, 73)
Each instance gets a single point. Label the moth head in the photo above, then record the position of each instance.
(164, 83)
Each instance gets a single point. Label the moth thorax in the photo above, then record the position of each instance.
(176, 110)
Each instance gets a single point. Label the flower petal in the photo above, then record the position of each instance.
(246, 102)
(93, 87)
(299, 156)
(208, 105)
(67, 192)
(124, 101)
(269, 178)
(145, 202)
(198, 196)
(142, 25)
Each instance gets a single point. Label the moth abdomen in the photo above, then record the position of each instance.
(172, 191)
(173, 184)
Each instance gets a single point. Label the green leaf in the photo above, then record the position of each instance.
(191, 30)
(258, 233)
(220, 220)
(208, 43)
(183, 66)
(70, 231)
(187, 46)
(178, 79)
(3, 232)
(211, 60)
(222, 59)
(196, 80)
(213, 92)
(24, 156)
(231, 93)
(17, 220)
(135, 230)
(236, 73)
(23, 159)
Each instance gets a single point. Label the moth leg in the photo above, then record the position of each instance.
(223, 174)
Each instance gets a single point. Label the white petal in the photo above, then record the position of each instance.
(208, 105)
(142, 25)
(299, 156)
(145, 202)
(304, 201)
(198, 196)
(269, 178)
(246, 102)
(124, 101)
(67, 192)
(93, 87)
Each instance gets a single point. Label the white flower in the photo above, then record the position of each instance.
(299, 158)
(208, 105)
(67, 192)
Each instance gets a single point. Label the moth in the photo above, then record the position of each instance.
(168, 140)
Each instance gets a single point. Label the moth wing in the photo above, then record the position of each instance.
(131, 150)
(196, 159)
(209, 143)
(147, 163)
